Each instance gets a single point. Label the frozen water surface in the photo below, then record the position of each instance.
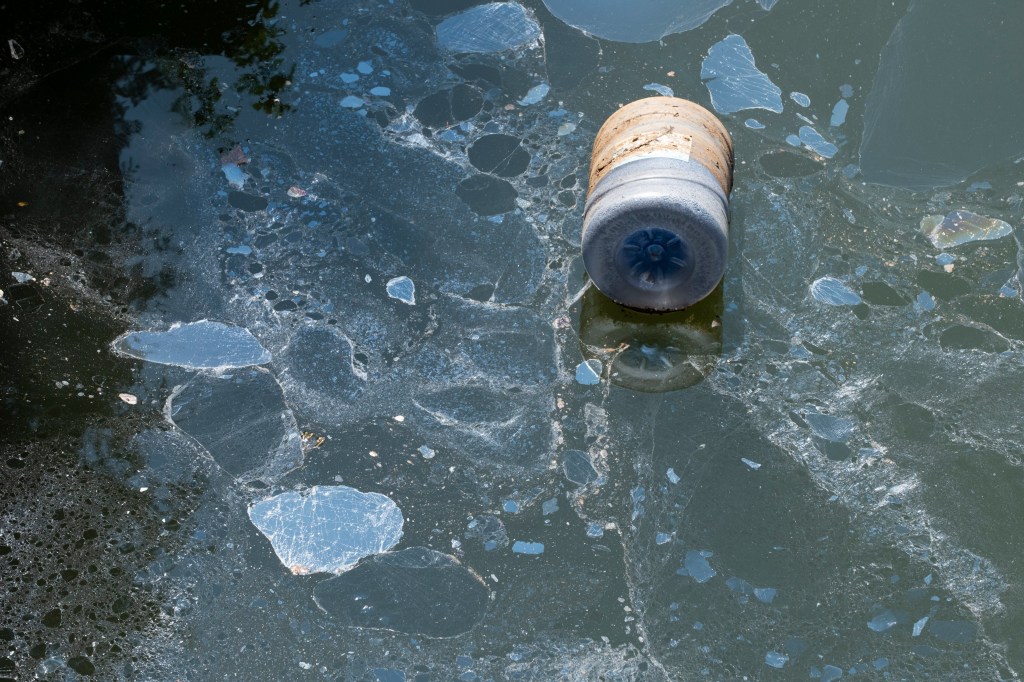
(874, 381)
(327, 529)
(734, 81)
(195, 345)
(493, 27)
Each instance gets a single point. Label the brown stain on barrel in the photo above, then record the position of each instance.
(663, 124)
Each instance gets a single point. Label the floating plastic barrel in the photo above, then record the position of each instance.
(656, 223)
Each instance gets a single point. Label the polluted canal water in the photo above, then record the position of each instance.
(303, 376)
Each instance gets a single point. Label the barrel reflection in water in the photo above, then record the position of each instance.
(651, 352)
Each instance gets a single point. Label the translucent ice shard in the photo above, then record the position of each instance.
(800, 98)
(588, 373)
(831, 291)
(241, 419)
(814, 141)
(663, 90)
(493, 27)
(327, 529)
(734, 81)
(577, 467)
(775, 659)
(415, 591)
(961, 227)
(767, 4)
(535, 94)
(523, 547)
(403, 289)
(839, 112)
(641, 21)
(695, 565)
(196, 345)
(235, 175)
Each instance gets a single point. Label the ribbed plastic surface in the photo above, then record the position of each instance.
(655, 227)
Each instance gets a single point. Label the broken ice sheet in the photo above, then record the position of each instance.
(403, 289)
(734, 81)
(640, 21)
(493, 27)
(196, 345)
(242, 420)
(415, 591)
(831, 291)
(327, 529)
(578, 468)
(962, 227)
(235, 175)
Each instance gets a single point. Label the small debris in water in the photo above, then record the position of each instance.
(535, 94)
(128, 398)
(696, 565)
(831, 291)
(800, 98)
(673, 477)
(751, 463)
(775, 659)
(297, 192)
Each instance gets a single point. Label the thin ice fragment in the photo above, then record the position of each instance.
(415, 591)
(589, 373)
(800, 98)
(522, 547)
(695, 565)
(235, 175)
(765, 595)
(753, 124)
(578, 468)
(196, 345)
(22, 277)
(775, 659)
(352, 102)
(767, 4)
(493, 27)
(839, 112)
(962, 227)
(535, 94)
(734, 81)
(403, 289)
(751, 463)
(919, 626)
(663, 90)
(814, 141)
(327, 529)
(673, 477)
(380, 91)
(831, 291)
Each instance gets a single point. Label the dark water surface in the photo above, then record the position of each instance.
(301, 378)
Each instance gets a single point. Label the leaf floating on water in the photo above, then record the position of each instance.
(327, 529)
(962, 227)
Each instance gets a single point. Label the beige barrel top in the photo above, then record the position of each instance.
(663, 126)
